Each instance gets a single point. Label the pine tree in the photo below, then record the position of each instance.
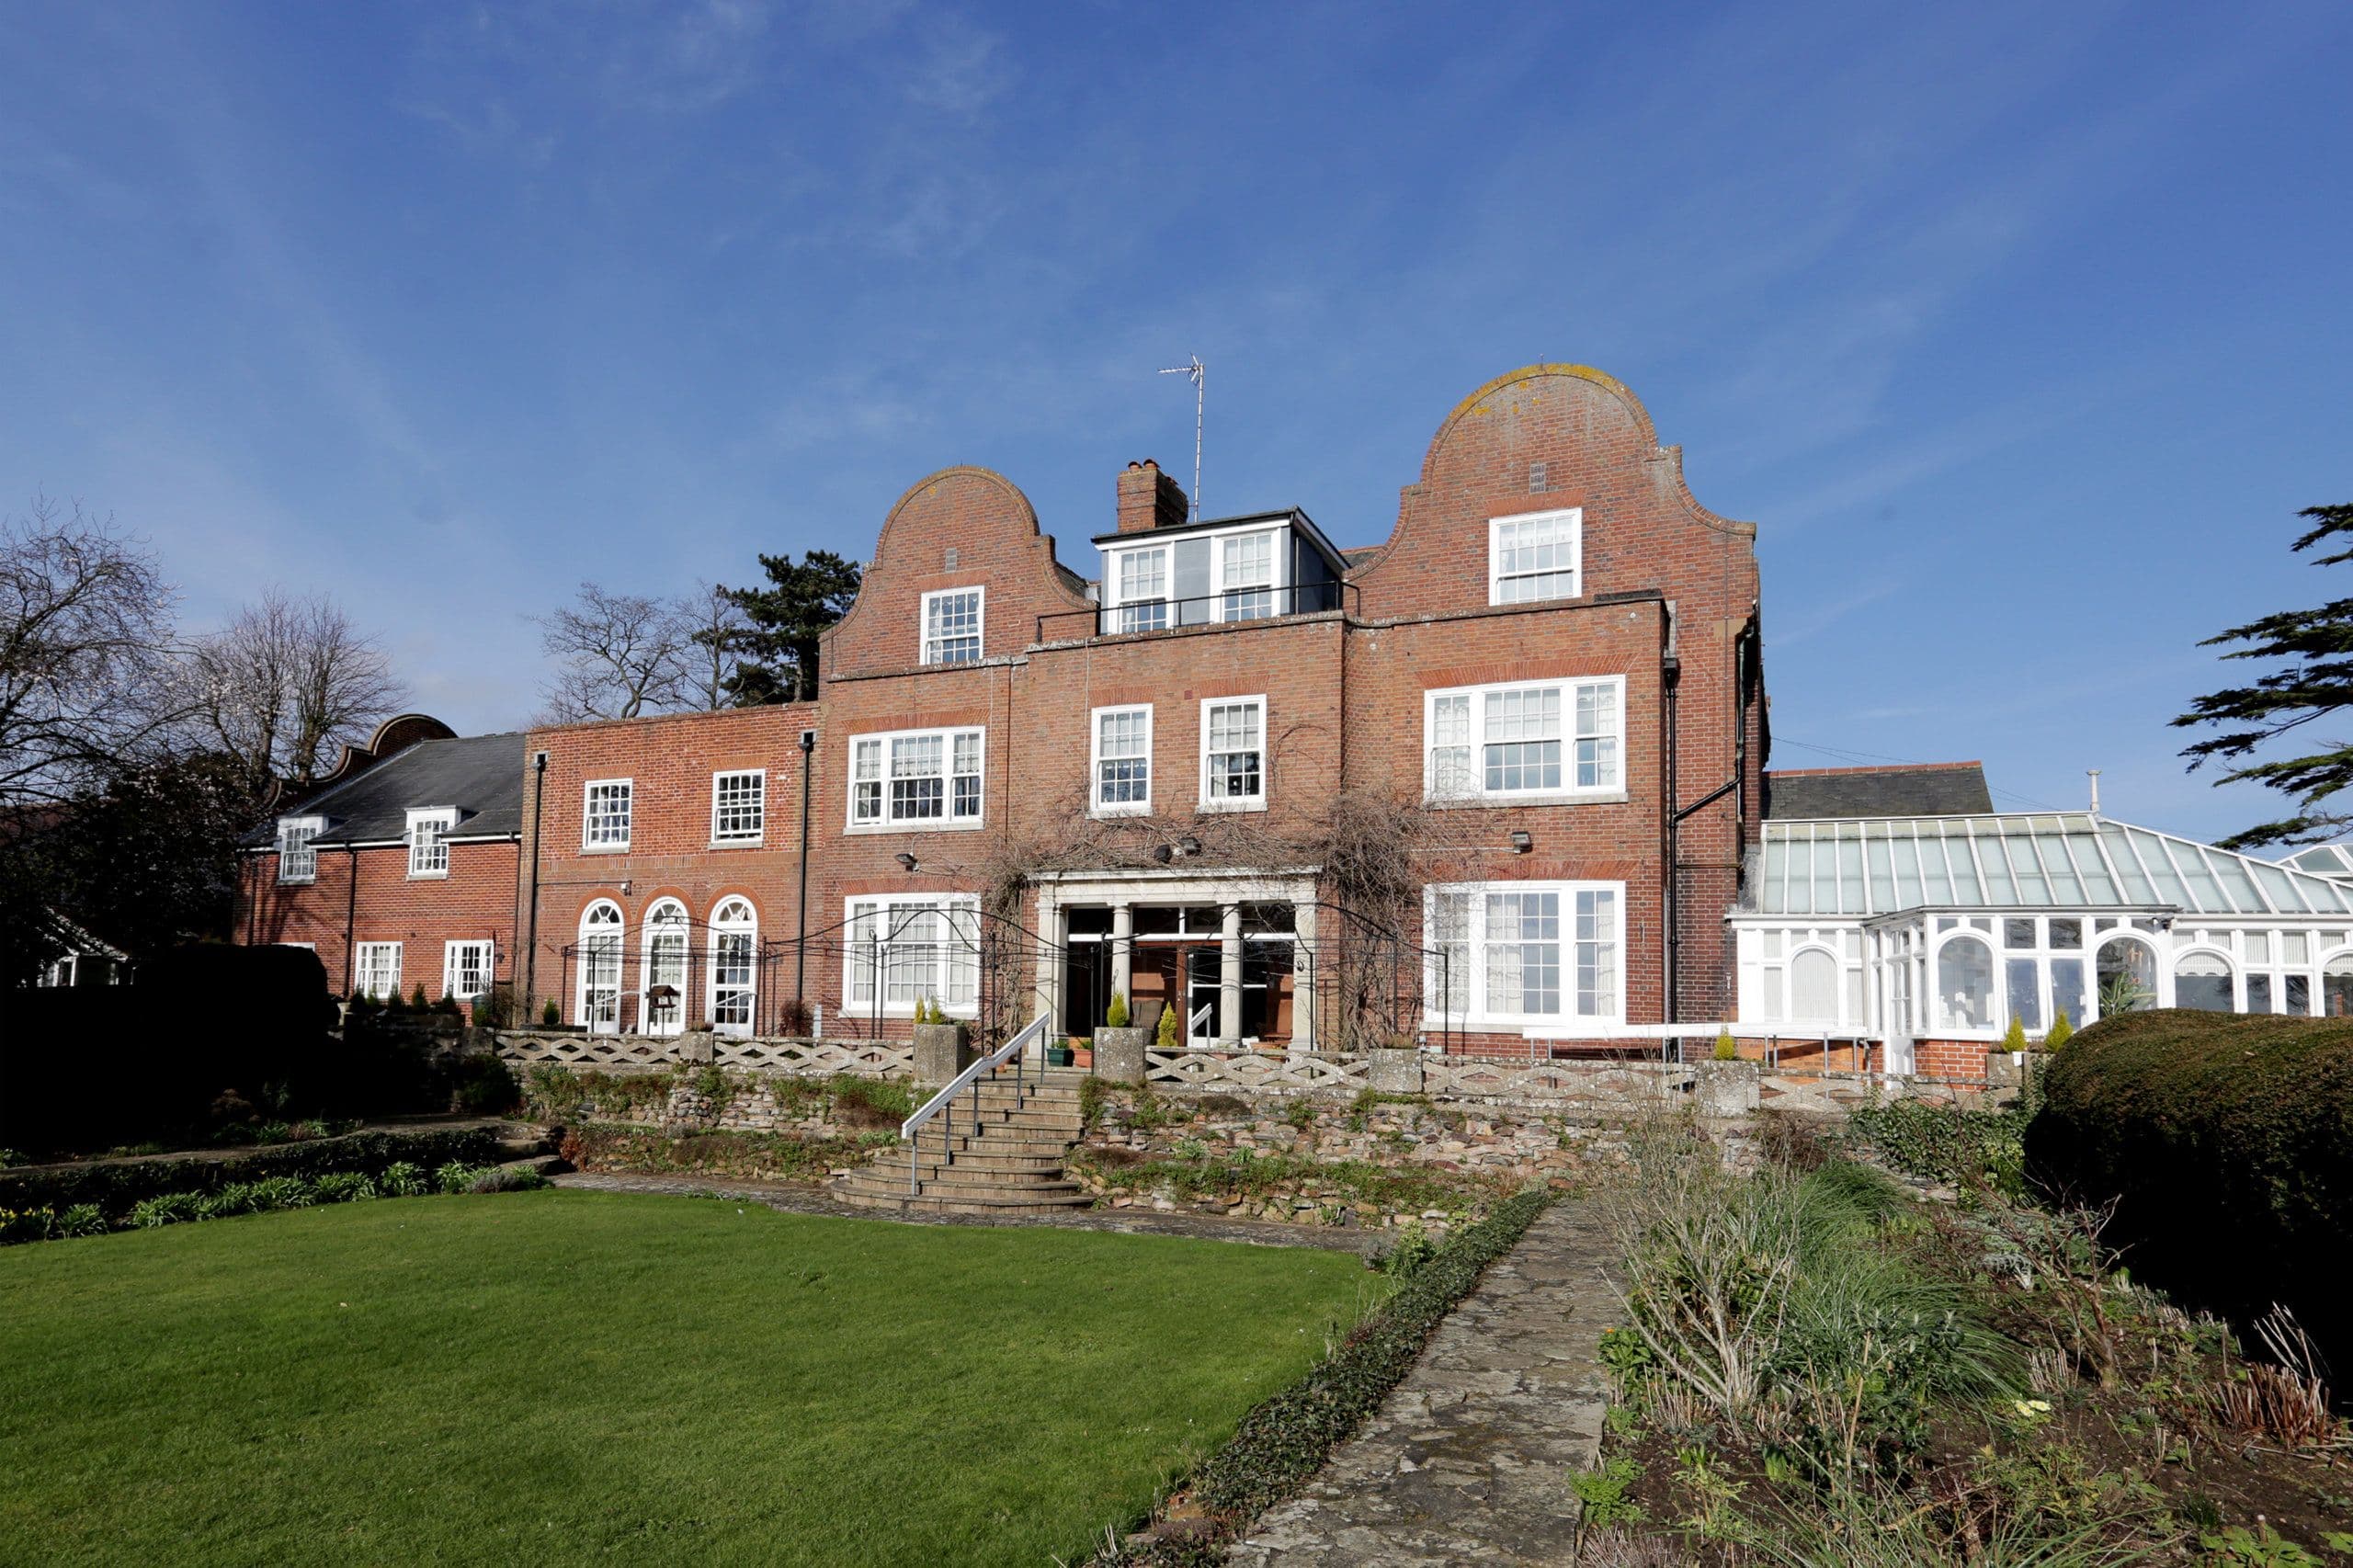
(2314, 683)
(802, 601)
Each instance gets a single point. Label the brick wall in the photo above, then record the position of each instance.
(366, 895)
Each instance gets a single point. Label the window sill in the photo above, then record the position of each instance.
(1550, 798)
(1539, 1027)
(428, 876)
(760, 842)
(603, 850)
(297, 881)
(1129, 808)
(878, 829)
(957, 1013)
(1257, 805)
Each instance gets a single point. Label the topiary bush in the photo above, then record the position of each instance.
(1115, 1016)
(2226, 1144)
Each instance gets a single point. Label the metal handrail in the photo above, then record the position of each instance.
(946, 1099)
(1110, 620)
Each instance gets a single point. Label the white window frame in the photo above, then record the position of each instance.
(948, 821)
(1115, 589)
(1097, 804)
(1475, 1014)
(1252, 803)
(665, 917)
(584, 994)
(926, 640)
(1568, 789)
(731, 1006)
(1276, 588)
(367, 970)
(939, 984)
(428, 854)
(1497, 576)
(305, 855)
(759, 775)
(453, 966)
(588, 841)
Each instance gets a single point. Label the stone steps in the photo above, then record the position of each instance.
(998, 1151)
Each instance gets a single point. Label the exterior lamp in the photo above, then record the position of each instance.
(1162, 853)
(906, 861)
(1188, 845)
(1520, 841)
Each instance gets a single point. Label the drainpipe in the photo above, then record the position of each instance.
(1670, 675)
(800, 941)
(350, 911)
(531, 916)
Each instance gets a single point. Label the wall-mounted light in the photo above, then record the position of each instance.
(906, 861)
(1520, 841)
(1162, 853)
(1188, 845)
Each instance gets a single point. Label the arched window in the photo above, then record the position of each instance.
(664, 1006)
(2202, 981)
(735, 937)
(2127, 976)
(599, 1004)
(1813, 987)
(1965, 984)
(2336, 987)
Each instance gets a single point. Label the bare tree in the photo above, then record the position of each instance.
(716, 627)
(287, 683)
(621, 655)
(89, 680)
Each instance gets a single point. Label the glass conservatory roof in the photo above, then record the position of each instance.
(2073, 859)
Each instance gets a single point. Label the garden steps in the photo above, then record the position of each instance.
(1005, 1154)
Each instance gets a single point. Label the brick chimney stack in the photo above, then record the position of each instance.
(1150, 499)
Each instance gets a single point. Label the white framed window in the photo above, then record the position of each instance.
(1247, 576)
(1233, 753)
(1141, 587)
(297, 860)
(1527, 740)
(734, 970)
(376, 969)
(604, 818)
(1510, 955)
(739, 806)
(662, 1006)
(951, 626)
(1535, 556)
(597, 1000)
(466, 970)
(916, 779)
(917, 946)
(429, 840)
(1121, 764)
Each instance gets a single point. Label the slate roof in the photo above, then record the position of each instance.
(480, 775)
(1914, 790)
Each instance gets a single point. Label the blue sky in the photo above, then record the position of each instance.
(2021, 331)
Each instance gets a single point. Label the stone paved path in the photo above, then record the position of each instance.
(1131, 1221)
(1468, 1460)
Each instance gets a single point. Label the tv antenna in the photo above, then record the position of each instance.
(1192, 370)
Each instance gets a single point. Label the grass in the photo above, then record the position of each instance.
(552, 1376)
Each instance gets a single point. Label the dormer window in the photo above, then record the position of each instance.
(1245, 577)
(297, 860)
(429, 840)
(1143, 589)
(951, 627)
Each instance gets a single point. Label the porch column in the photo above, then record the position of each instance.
(1302, 975)
(1229, 978)
(1123, 930)
(1047, 988)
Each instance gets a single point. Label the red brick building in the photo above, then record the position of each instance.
(1493, 775)
(401, 868)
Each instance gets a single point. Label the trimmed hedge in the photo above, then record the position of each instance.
(115, 1185)
(2227, 1144)
(1282, 1442)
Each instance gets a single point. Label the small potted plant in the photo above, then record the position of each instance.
(1058, 1055)
(1082, 1053)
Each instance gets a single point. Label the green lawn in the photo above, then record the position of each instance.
(554, 1376)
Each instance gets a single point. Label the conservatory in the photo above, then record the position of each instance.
(1950, 927)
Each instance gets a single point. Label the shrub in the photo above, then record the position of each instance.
(26, 1226)
(402, 1179)
(1945, 1144)
(506, 1178)
(794, 1018)
(486, 1086)
(1115, 1015)
(1412, 1249)
(455, 1176)
(344, 1187)
(1165, 1036)
(2223, 1141)
(1727, 1049)
(2014, 1040)
(2062, 1031)
(416, 1002)
(115, 1187)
